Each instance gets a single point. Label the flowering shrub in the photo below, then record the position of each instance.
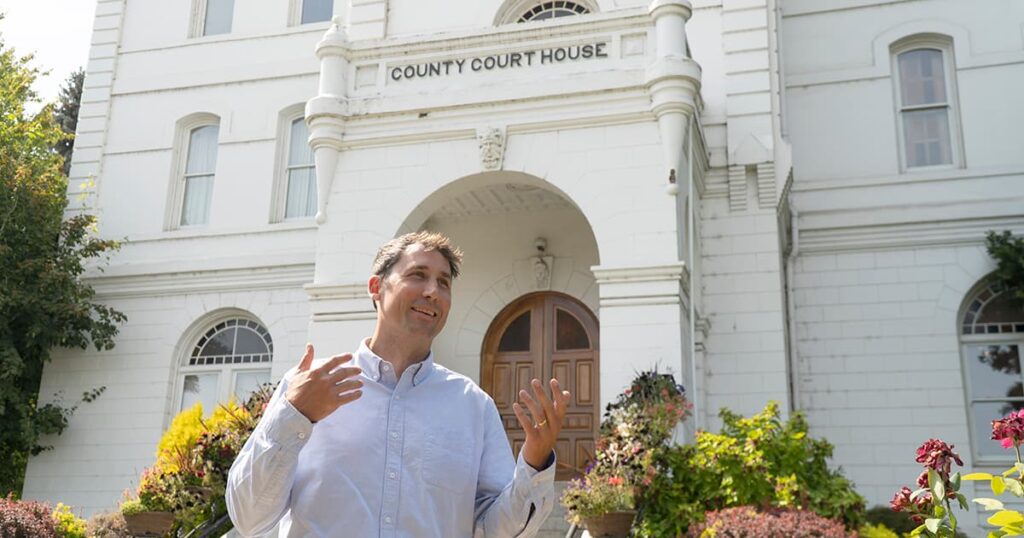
(639, 422)
(26, 519)
(748, 522)
(68, 525)
(193, 459)
(930, 504)
(759, 461)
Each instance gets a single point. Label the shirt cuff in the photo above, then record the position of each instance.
(537, 477)
(286, 426)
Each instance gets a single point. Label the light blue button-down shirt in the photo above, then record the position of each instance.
(421, 456)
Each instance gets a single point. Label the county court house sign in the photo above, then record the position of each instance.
(507, 60)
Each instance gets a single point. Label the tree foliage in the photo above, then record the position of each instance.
(1008, 251)
(44, 304)
(66, 115)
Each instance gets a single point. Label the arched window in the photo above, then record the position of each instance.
(229, 359)
(300, 200)
(513, 11)
(992, 338)
(924, 75)
(190, 195)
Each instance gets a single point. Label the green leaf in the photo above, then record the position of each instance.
(1005, 518)
(955, 481)
(939, 491)
(917, 493)
(989, 505)
(932, 524)
(1014, 486)
(977, 476)
(998, 486)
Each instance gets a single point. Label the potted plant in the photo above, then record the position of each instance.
(640, 421)
(604, 505)
(150, 513)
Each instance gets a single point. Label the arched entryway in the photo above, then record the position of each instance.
(546, 335)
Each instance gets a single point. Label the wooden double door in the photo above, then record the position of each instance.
(546, 335)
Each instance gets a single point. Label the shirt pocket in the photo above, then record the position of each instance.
(450, 461)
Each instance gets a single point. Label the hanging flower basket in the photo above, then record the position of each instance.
(149, 523)
(610, 525)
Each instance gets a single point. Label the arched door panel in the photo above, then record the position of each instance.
(544, 336)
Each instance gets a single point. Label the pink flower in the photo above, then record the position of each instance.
(901, 500)
(936, 454)
(1009, 430)
(615, 480)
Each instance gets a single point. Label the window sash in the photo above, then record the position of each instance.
(217, 19)
(982, 410)
(927, 140)
(316, 11)
(301, 196)
(195, 206)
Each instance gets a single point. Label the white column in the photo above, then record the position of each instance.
(673, 80)
(325, 113)
(643, 324)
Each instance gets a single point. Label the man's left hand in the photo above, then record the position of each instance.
(543, 422)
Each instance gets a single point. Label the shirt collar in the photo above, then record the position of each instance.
(372, 365)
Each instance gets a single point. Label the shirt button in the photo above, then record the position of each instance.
(391, 475)
(302, 435)
(387, 519)
(398, 397)
(394, 435)
(387, 367)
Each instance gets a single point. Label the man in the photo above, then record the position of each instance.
(395, 444)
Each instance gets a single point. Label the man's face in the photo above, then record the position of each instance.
(414, 298)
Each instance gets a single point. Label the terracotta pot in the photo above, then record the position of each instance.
(610, 525)
(149, 523)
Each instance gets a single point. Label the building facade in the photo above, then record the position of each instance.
(842, 163)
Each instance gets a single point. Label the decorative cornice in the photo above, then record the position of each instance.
(905, 235)
(649, 285)
(153, 284)
(339, 302)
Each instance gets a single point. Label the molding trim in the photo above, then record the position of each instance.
(221, 280)
(737, 183)
(917, 234)
(766, 185)
(339, 302)
(636, 286)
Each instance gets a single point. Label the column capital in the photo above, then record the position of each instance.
(680, 8)
(643, 285)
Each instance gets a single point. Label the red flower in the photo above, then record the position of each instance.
(1009, 430)
(936, 454)
(615, 480)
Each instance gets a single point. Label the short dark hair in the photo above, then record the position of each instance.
(390, 252)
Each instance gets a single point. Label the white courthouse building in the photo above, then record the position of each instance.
(843, 160)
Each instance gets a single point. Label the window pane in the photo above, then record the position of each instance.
(569, 334)
(247, 382)
(301, 200)
(1001, 310)
(299, 151)
(922, 77)
(517, 335)
(222, 343)
(248, 342)
(994, 371)
(202, 150)
(926, 136)
(983, 415)
(200, 388)
(195, 208)
(317, 10)
(218, 17)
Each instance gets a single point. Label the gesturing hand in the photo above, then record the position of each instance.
(317, 392)
(542, 430)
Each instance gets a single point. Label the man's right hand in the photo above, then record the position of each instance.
(317, 392)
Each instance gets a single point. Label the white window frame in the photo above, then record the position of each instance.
(279, 194)
(943, 44)
(512, 10)
(295, 14)
(966, 342)
(226, 372)
(197, 26)
(179, 160)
